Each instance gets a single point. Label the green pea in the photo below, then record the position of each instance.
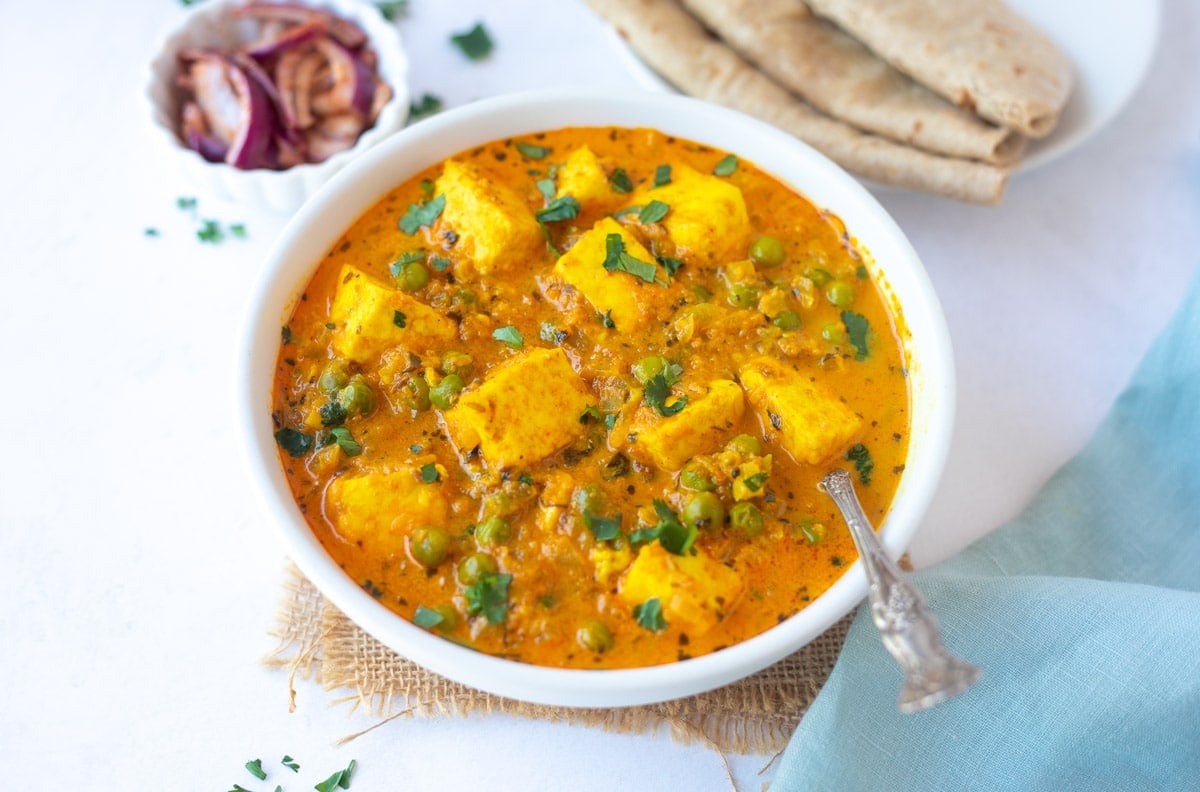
(786, 320)
(429, 546)
(767, 251)
(459, 363)
(445, 393)
(704, 510)
(747, 518)
(745, 445)
(412, 276)
(696, 477)
(743, 295)
(418, 391)
(595, 636)
(648, 367)
(475, 566)
(493, 531)
(449, 617)
(334, 377)
(590, 499)
(357, 396)
(818, 276)
(840, 293)
(834, 333)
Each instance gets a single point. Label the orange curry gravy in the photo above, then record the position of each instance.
(627, 475)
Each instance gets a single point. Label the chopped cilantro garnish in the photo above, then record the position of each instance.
(857, 329)
(673, 535)
(286, 333)
(755, 483)
(429, 473)
(531, 150)
(210, 232)
(563, 208)
(255, 768)
(238, 230)
(151, 232)
(607, 320)
(345, 441)
(290, 763)
(657, 390)
(427, 617)
(671, 265)
(427, 105)
(861, 272)
(295, 443)
(525, 479)
(422, 214)
(546, 188)
(649, 615)
(589, 413)
(603, 528)
(393, 10)
(610, 421)
(617, 260)
(332, 414)
(399, 319)
(476, 44)
(439, 263)
(186, 204)
(509, 336)
(406, 258)
(662, 175)
(726, 166)
(653, 212)
(489, 596)
(863, 463)
(339, 779)
(620, 182)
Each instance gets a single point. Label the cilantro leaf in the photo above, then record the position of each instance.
(653, 212)
(399, 319)
(620, 181)
(332, 414)
(726, 166)
(607, 320)
(532, 151)
(427, 105)
(863, 463)
(673, 535)
(422, 214)
(429, 473)
(656, 393)
(297, 444)
(290, 763)
(755, 483)
(857, 329)
(339, 779)
(439, 263)
(546, 187)
(649, 615)
(393, 10)
(603, 528)
(662, 175)
(254, 766)
(509, 336)
(671, 265)
(407, 257)
(564, 208)
(345, 441)
(475, 43)
(617, 260)
(489, 596)
(427, 617)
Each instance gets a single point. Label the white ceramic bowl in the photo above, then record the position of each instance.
(211, 25)
(317, 226)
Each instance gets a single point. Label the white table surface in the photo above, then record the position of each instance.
(137, 580)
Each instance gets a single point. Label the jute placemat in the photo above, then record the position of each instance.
(754, 715)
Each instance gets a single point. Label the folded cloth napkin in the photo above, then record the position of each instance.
(1084, 614)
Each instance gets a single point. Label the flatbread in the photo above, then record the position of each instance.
(838, 75)
(978, 54)
(673, 43)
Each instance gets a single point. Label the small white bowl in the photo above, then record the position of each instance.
(211, 25)
(316, 228)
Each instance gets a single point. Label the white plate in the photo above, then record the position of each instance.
(1109, 42)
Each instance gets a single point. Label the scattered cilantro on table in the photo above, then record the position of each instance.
(475, 43)
(427, 105)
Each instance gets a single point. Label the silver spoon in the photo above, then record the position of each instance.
(909, 629)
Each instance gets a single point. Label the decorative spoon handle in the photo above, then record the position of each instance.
(909, 629)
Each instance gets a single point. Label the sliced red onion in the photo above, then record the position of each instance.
(197, 136)
(212, 82)
(291, 37)
(353, 86)
(263, 80)
(345, 31)
(256, 131)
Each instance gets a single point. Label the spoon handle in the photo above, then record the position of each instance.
(909, 629)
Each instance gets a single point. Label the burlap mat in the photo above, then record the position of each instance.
(755, 715)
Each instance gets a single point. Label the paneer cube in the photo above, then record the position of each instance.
(381, 508)
(670, 441)
(707, 220)
(367, 314)
(630, 301)
(496, 229)
(811, 424)
(526, 409)
(583, 177)
(695, 591)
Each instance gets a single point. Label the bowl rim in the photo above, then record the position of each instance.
(315, 228)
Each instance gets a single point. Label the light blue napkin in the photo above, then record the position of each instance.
(1084, 614)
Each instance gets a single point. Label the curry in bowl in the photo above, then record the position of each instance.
(565, 398)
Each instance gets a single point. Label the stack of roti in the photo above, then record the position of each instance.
(934, 95)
